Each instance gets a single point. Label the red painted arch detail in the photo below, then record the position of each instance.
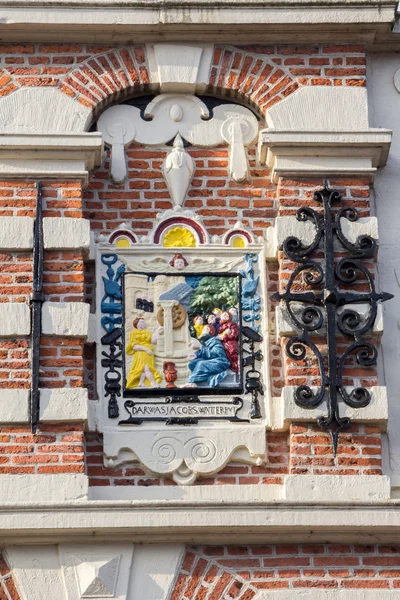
(179, 221)
(122, 233)
(232, 234)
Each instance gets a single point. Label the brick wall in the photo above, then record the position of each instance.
(267, 74)
(359, 451)
(220, 201)
(305, 450)
(239, 572)
(53, 449)
(95, 76)
(8, 591)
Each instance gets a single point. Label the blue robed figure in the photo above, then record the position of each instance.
(211, 365)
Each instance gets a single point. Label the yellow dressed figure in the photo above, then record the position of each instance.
(198, 325)
(141, 344)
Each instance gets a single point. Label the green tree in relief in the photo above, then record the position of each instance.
(214, 292)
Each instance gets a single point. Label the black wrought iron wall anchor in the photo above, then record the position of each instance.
(37, 300)
(321, 308)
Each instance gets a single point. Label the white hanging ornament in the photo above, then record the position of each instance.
(178, 171)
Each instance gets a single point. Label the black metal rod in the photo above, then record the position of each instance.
(36, 310)
(331, 307)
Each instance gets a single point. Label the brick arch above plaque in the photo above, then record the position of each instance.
(182, 333)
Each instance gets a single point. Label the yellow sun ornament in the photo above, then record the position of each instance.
(179, 237)
(122, 242)
(238, 242)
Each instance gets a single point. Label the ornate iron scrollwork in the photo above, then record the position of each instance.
(321, 307)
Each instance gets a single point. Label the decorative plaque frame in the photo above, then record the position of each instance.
(181, 415)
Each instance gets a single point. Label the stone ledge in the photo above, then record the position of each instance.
(56, 406)
(15, 319)
(66, 232)
(285, 411)
(50, 156)
(324, 153)
(16, 233)
(65, 319)
(243, 513)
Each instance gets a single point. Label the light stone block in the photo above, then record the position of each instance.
(285, 411)
(305, 230)
(43, 489)
(290, 227)
(65, 232)
(154, 569)
(56, 405)
(363, 226)
(96, 570)
(15, 319)
(65, 319)
(68, 405)
(324, 488)
(286, 328)
(36, 572)
(50, 111)
(180, 68)
(321, 108)
(16, 233)
(92, 331)
(14, 406)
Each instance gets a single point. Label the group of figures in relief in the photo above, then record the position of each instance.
(181, 330)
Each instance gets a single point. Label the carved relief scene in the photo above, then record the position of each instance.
(181, 331)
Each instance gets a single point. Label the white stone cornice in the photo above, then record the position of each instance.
(324, 153)
(218, 516)
(50, 156)
(193, 20)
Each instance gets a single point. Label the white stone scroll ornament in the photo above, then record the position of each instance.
(184, 454)
(173, 117)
